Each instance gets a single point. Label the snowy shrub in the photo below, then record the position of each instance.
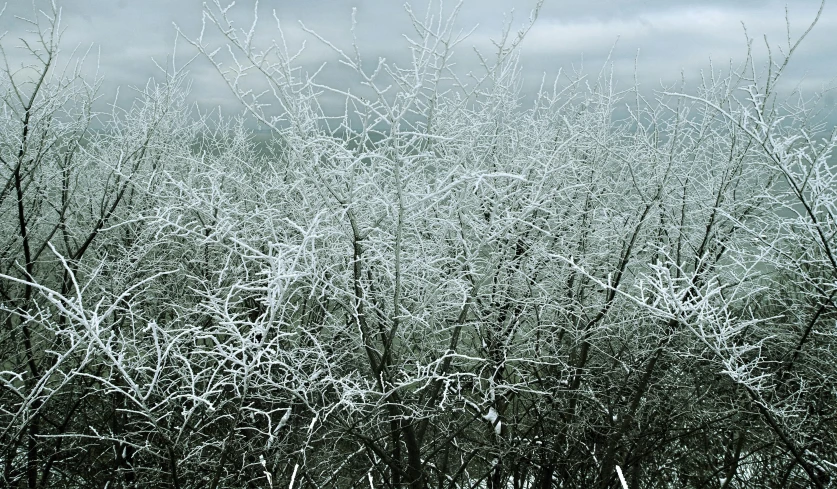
(439, 288)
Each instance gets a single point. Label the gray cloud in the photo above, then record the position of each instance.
(670, 36)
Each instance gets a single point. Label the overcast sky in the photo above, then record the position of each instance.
(671, 35)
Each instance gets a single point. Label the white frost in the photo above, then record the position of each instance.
(491, 416)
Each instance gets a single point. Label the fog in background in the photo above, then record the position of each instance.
(664, 38)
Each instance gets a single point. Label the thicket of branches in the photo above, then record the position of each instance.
(440, 288)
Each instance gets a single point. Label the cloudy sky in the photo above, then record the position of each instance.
(668, 35)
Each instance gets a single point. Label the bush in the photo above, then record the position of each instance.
(440, 288)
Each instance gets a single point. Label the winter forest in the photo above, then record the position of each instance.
(438, 287)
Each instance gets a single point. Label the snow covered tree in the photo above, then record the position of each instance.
(440, 287)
